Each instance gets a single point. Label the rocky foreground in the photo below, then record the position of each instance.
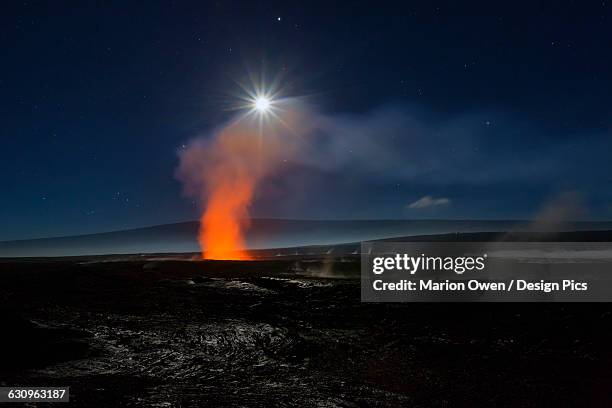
(176, 333)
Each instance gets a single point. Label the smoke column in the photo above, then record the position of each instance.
(225, 170)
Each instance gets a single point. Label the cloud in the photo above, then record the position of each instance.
(496, 156)
(428, 202)
(412, 144)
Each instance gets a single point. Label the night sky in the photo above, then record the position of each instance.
(476, 111)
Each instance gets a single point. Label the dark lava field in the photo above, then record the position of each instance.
(162, 332)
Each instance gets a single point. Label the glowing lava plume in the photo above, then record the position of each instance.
(225, 170)
(222, 224)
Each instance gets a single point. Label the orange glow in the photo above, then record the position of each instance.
(230, 183)
(223, 221)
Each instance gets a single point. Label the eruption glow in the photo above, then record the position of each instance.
(226, 169)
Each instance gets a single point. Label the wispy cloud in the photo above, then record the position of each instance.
(428, 202)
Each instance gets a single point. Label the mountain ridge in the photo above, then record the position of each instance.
(266, 233)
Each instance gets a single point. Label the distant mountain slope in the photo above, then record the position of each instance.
(263, 233)
(354, 248)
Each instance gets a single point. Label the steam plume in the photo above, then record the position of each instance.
(225, 170)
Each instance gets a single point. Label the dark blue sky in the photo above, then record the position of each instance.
(500, 109)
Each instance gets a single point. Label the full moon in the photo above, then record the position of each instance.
(262, 104)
